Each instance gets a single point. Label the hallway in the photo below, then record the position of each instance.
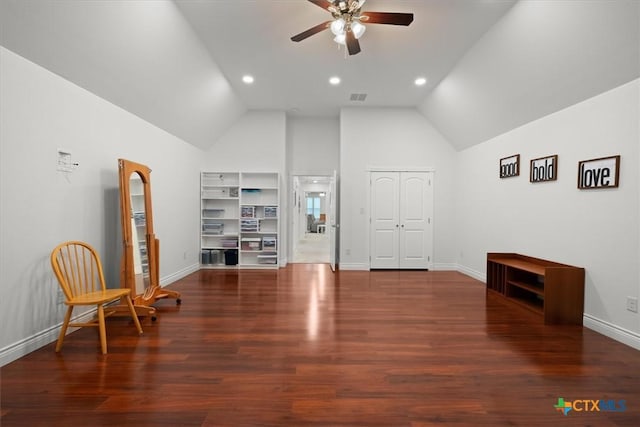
(313, 248)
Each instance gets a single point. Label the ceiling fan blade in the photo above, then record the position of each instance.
(353, 45)
(321, 3)
(390, 18)
(311, 31)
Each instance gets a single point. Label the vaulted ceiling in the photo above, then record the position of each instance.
(254, 37)
(491, 65)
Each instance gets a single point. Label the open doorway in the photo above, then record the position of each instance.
(311, 219)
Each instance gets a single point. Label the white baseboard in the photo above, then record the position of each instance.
(473, 273)
(25, 346)
(353, 266)
(167, 280)
(612, 331)
(444, 267)
(436, 267)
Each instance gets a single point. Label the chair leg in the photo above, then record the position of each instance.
(134, 314)
(103, 331)
(63, 330)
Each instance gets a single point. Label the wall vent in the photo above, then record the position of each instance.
(358, 97)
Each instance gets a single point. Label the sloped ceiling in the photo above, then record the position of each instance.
(543, 56)
(492, 65)
(140, 55)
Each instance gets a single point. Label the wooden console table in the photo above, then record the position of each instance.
(554, 290)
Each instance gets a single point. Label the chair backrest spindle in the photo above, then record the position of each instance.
(76, 264)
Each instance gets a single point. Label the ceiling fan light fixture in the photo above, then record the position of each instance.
(347, 23)
(337, 26)
(358, 29)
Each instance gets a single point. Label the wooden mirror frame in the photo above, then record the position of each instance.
(142, 302)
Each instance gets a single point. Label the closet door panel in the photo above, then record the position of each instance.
(385, 244)
(412, 249)
(384, 220)
(414, 220)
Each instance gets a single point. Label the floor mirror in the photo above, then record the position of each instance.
(139, 269)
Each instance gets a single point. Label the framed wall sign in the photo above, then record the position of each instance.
(599, 173)
(544, 169)
(510, 166)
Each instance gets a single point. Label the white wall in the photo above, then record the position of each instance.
(255, 143)
(313, 145)
(391, 137)
(596, 229)
(41, 207)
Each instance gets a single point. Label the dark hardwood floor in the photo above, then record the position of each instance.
(304, 347)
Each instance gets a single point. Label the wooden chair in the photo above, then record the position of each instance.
(79, 272)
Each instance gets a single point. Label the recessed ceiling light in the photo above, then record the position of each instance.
(334, 80)
(247, 79)
(420, 81)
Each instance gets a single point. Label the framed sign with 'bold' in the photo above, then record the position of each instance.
(544, 169)
(599, 173)
(510, 166)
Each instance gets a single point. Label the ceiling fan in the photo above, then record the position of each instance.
(347, 24)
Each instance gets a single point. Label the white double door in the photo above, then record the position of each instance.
(401, 220)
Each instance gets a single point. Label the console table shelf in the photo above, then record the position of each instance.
(552, 289)
(538, 290)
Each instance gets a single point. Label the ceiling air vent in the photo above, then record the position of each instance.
(359, 97)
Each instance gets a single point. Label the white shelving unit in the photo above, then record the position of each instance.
(240, 219)
(220, 214)
(259, 229)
